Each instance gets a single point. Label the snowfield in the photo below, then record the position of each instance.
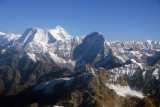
(125, 90)
(47, 87)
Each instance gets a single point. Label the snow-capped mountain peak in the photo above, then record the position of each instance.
(60, 34)
(56, 43)
(38, 35)
(1, 33)
(148, 41)
(95, 34)
(6, 38)
(59, 28)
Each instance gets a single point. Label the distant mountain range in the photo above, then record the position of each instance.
(48, 67)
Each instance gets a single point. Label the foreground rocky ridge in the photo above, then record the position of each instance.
(88, 88)
(49, 67)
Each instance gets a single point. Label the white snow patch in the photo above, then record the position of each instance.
(47, 87)
(58, 106)
(107, 43)
(124, 90)
(56, 58)
(157, 49)
(149, 54)
(92, 71)
(59, 60)
(137, 54)
(3, 51)
(144, 73)
(140, 65)
(149, 42)
(156, 73)
(32, 56)
(121, 58)
(128, 70)
(1, 33)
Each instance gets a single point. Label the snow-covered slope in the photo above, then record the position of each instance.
(6, 38)
(147, 45)
(125, 90)
(43, 36)
(56, 44)
(139, 51)
(48, 86)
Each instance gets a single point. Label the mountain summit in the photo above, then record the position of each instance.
(43, 36)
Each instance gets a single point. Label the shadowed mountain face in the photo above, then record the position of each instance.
(87, 52)
(48, 67)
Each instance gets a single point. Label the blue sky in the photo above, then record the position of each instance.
(123, 20)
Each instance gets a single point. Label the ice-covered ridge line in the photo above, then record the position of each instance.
(6, 38)
(3, 51)
(128, 70)
(124, 90)
(47, 87)
(1, 33)
(149, 54)
(59, 60)
(32, 56)
(136, 53)
(139, 42)
(146, 45)
(140, 65)
(59, 33)
(156, 73)
(42, 36)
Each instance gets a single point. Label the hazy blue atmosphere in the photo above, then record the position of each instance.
(123, 20)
